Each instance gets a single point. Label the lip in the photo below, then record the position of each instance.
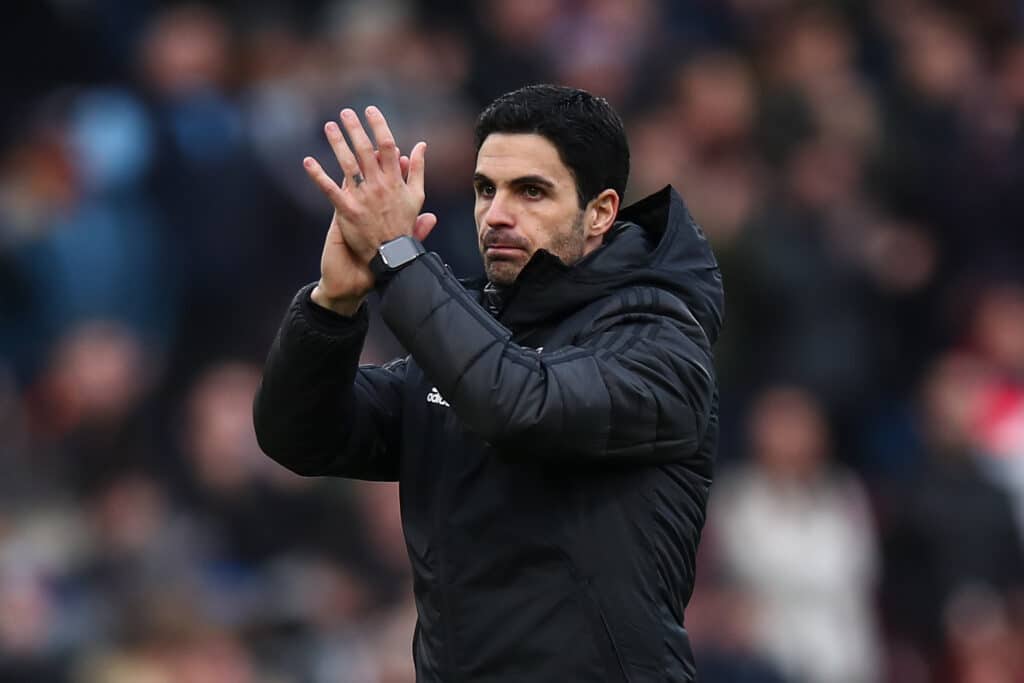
(503, 251)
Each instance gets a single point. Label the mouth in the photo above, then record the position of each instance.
(503, 252)
(503, 245)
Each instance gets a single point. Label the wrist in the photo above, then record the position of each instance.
(394, 255)
(343, 305)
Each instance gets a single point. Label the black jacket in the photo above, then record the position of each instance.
(554, 463)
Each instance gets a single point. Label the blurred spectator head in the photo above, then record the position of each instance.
(210, 656)
(952, 402)
(98, 374)
(272, 50)
(186, 49)
(364, 36)
(600, 46)
(715, 100)
(901, 257)
(220, 440)
(128, 514)
(824, 173)
(997, 328)
(519, 26)
(654, 137)
(725, 193)
(847, 111)
(938, 56)
(983, 643)
(813, 48)
(789, 433)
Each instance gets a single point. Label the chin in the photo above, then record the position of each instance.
(502, 273)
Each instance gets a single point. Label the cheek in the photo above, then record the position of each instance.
(553, 227)
(478, 220)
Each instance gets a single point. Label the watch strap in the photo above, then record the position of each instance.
(394, 255)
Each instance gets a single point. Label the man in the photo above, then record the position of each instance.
(553, 430)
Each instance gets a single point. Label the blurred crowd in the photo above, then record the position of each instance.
(858, 166)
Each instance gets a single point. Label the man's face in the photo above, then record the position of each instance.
(525, 200)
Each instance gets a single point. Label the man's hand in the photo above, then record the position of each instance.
(378, 201)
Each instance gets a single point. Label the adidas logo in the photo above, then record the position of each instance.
(435, 397)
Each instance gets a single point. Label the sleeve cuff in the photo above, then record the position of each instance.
(326, 321)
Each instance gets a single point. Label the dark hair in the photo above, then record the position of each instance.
(586, 131)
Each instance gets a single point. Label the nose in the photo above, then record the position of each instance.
(498, 213)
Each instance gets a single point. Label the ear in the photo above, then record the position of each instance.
(601, 213)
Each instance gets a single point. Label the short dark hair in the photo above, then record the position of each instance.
(586, 131)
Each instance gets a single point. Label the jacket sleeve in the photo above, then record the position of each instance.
(639, 387)
(316, 412)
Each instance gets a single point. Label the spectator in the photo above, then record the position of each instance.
(954, 529)
(796, 533)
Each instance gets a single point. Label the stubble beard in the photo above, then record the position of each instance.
(567, 246)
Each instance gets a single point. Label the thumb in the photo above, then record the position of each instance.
(425, 223)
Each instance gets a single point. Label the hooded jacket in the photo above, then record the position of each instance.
(554, 459)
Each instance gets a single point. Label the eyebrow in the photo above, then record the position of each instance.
(521, 180)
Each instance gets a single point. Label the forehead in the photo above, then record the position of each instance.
(506, 156)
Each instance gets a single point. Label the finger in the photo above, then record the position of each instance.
(425, 224)
(400, 158)
(347, 160)
(389, 154)
(320, 178)
(360, 144)
(417, 166)
(403, 164)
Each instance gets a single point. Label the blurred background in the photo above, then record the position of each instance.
(858, 166)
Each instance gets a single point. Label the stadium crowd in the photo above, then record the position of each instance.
(858, 166)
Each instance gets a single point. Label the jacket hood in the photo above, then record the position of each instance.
(655, 242)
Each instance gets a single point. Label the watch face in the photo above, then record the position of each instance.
(399, 251)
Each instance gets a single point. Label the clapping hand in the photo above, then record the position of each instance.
(379, 200)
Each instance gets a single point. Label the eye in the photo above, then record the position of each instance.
(485, 190)
(532, 192)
